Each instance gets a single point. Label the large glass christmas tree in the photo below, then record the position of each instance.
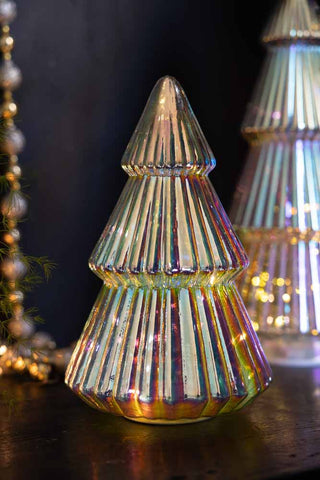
(276, 209)
(169, 339)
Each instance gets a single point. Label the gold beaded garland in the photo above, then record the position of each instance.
(19, 357)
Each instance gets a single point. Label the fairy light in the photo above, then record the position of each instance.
(277, 207)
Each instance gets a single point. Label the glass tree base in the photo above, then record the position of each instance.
(168, 356)
(292, 351)
(181, 421)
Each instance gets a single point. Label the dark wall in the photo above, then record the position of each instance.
(89, 66)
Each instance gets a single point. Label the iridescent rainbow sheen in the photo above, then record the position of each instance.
(168, 354)
(276, 209)
(169, 339)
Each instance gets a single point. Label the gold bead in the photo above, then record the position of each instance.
(13, 267)
(10, 177)
(9, 110)
(8, 238)
(11, 236)
(14, 205)
(16, 170)
(12, 223)
(15, 297)
(10, 75)
(21, 326)
(6, 43)
(12, 141)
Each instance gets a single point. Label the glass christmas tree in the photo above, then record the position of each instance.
(169, 339)
(276, 209)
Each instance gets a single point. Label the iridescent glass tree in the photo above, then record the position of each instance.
(276, 209)
(169, 339)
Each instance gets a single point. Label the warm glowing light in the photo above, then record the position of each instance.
(276, 209)
(33, 369)
(279, 321)
(286, 298)
(255, 326)
(19, 364)
(255, 281)
(3, 349)
(307, 207)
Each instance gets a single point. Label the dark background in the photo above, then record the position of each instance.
(88, 67)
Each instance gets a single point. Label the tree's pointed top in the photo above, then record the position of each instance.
(294, 20)
(168, 139)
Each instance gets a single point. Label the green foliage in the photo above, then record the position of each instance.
(38, 270)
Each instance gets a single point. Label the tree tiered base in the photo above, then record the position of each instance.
(169, 340)
(168, 355)
(281, 290)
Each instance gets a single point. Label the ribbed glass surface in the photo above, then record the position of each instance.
(169, 339)
(287, 96)
(281, 287)
(276, 209)
(294, 20)
(171, 354)
(168, 231)
(168, 139)
(280, 187)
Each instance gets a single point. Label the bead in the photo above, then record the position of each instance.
(21, 327)
(12, 223)
(8, 11)
(15, 170)
(13, 268)
(13, 173)
(10, 75)
(43, 340)
(12, 141)
(6, 43)
(10, 177)
(16, 296)
(14, 205)
(8, 109)
(12, 236)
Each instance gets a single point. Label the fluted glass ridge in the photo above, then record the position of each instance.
(293, 20)
(276, 208)
(168, 139)
(168, 339)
